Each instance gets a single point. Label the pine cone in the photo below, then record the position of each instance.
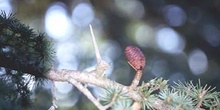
(135, 57)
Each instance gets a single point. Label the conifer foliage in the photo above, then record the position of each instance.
(22, 49)
(22, 52)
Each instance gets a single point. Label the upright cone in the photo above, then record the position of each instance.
(135, 57)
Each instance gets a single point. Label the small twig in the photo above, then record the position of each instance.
(136, 106)
(97, 53)
(188, 90)
(201, 95)
(101, 64)
(54, 106)
(136, 79)
(148, 85)
(53, 93)
(112, 101)
(87, 93)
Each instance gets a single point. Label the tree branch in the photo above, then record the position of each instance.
(86, 92)
(91, 78)
(75, 77)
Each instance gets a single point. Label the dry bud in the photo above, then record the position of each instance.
(135, 57)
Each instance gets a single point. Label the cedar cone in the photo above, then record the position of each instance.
(135, 57)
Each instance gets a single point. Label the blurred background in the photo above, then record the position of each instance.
(180, 40)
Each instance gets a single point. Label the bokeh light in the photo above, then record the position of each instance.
(5, 6)
(144, 35)
(96, 91)
(57, 23)
(67, 101)
(82, 14)
(159, 67)
(194, 15)
(132, 8)
(2, 71)
(63, 87)
(63, 94)
(110, 48)
(211, 35)
(111, 51)
(174, 15)
(66, 55)
(198, 62)
(176, 77)
(169, 40)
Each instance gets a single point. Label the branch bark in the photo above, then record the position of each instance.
(91, 78)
